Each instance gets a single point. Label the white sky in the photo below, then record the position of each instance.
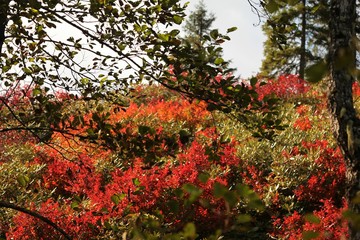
(246, 46)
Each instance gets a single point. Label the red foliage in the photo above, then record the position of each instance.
(138, 188)
(16, 96)
(302, 110)
(77, 177)
(151, 189)
(327, 180)
(285, 86)
(166, 111)
(82, 224)
(303, 123)
(254, 178)
(356, 89)
(327, 224)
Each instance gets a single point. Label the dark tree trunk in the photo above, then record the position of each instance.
(345, 123)
(303, 42)
(4, 6)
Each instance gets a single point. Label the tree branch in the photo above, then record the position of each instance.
(4, 204)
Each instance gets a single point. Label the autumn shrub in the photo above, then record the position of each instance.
(286, 86)
(165, 167)
(325, 223)
(80, 224)
(328, 176)
(182, 191)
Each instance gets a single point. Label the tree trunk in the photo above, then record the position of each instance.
(303, 42)
(4, 6)
(345, 123)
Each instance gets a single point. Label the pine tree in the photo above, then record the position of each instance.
(297, 36)
(198, 24)
(198, 30)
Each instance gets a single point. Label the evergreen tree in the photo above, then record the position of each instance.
(297, 36)
(198, 24)
(198, 32)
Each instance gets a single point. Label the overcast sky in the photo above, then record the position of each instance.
(246, 46)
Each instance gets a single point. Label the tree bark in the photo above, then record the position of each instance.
(303, 41)
(346, 125)
(4, 6)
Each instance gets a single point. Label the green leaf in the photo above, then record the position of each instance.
(177, 19)
(84, 81)
(75, 205)
(352, 217)
(219, 190)
(315, 9)
(243, 218)
(122, 46)
(344, 59)
(293, 2)
(143, 130)
(137, 28)
(356, 200)
(107, 225)
(23, 180)
(253, 81)
(214, 33)
(316, 72)
(173, 205)
(218, 61)
(243, 190)
(307, 235)
(27, 70)
(311, 218)
(232, 29)
(272, 6)
(164, 37)
(136, 181)
(36, 92)
(203, 177)
(6, 68)
(116, 198)
(193, 191)
(232, 199)
(190, 231)
(174, 32)
(224, 139)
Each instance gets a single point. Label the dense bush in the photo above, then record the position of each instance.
(172, 169)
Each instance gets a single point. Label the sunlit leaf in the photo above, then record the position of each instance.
(136, 181)
(23, 180)
(178, 19)
(218, 61)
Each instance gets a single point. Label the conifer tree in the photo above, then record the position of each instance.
(198, 24)
(198, 30)
(297, 36)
